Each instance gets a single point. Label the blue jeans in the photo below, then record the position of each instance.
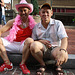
(0, 17)
(4, 20)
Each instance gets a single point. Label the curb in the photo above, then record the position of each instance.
(70, 63)
(16, 59)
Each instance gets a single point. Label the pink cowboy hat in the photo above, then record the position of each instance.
(23, 3)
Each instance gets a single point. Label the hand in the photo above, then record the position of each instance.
(60, 56)
(46, 42)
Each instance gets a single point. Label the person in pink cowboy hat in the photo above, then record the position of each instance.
(20, 29)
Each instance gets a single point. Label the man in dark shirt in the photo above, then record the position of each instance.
(1, 4)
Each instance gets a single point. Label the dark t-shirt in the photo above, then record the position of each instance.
(0, 6)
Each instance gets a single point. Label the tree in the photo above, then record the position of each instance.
(36, 8)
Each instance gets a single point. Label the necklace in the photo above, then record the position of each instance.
(24, 24)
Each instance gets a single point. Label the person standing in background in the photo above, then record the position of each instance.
(1, 4)
(3, 15)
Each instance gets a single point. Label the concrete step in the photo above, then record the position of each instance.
(70, 63)
(16, 59)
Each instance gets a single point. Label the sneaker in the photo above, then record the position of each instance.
(5, 67)
(24, 69)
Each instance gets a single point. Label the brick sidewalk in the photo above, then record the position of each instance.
(71, 41)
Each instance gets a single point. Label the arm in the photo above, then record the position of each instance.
(64, 43)
(46, 42)
(7, 26)
(61, 55)
(62, 36)
(2, 2)
(63, 46)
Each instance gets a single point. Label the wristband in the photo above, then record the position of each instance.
(63, 49)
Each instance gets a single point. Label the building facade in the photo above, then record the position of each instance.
(64, 10)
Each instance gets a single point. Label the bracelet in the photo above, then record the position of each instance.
(63, 49)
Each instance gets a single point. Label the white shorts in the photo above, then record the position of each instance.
(14, 47)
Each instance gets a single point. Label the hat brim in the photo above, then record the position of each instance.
(30, 6)
(45, 5)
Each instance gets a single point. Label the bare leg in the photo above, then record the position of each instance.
(3, 53)
(61, 57)
(26, 50)
(36, 49)
(37, 52)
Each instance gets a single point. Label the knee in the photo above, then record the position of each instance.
(2, 49)
(58, 55)
(55, 51)
(33, 47)
(28, 41)
(1, 44)
(0, 41)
